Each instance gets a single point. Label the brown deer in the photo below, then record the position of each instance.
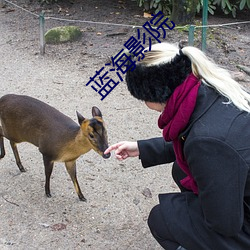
(59, 139)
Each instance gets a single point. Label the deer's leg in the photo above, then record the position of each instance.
(48, 165)
(1, 144)
(18, 161)
(71, 168)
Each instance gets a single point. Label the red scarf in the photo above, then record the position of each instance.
(175, 118)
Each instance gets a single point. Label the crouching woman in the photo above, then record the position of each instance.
(205, 119)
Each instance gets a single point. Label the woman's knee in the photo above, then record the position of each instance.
(159, 229)
(153, 218)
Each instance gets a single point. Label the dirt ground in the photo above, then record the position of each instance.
(119, 195)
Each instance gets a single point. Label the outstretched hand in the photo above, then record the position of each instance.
(124, 150)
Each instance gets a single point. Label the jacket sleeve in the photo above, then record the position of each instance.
(220, 173)
(155, 151)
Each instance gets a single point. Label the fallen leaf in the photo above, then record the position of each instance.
(58, 227)
(147, 15)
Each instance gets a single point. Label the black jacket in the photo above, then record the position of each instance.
(216, 145)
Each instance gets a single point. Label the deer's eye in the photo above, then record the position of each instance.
(91, 136)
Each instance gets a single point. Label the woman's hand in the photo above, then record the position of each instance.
(124, 149)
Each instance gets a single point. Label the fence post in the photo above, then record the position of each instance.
(191, 35)
(2, 3)
(204, 24)
(42, 31)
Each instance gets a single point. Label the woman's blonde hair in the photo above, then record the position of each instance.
(203, 68)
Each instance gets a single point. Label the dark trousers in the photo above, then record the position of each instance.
(156, 221)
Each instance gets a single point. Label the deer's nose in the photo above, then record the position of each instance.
(106, 156)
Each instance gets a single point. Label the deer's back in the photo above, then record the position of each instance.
(24, 118)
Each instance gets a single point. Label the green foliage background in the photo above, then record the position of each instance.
(227, 6)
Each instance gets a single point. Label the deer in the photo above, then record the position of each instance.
(58, 137)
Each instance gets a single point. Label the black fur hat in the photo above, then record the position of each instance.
(157, 82)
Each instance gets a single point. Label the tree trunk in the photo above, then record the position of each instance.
(183, 11)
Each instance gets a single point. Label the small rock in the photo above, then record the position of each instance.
(9, 243)
(136, 201)
(44, 225)
(239, 76)
(147, 193)
(62, 34)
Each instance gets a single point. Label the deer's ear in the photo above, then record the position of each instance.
(80, 118)
(96, 112)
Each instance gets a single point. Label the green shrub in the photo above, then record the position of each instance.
(227, 6)
(232, 6)
(211, 7)
(156, 5)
